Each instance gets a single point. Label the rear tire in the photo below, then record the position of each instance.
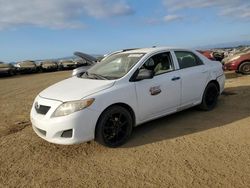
(210, 97)
(114, 127)
(245, 67)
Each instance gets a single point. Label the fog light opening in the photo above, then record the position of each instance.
(67, 133)
(42, 132)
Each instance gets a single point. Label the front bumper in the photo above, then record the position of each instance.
(82, 124)
(221, 80)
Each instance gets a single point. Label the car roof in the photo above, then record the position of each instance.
(153, 49)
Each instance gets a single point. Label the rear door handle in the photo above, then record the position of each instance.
(176, 78)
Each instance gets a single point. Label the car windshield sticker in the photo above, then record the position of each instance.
(135, 55)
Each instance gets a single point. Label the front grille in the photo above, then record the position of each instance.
(41, 109)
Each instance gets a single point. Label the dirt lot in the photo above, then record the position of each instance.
(188, 149)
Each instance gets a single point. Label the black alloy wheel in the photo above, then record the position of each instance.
(114, 126)
(210, 97)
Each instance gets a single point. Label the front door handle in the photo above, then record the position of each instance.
(176, 78)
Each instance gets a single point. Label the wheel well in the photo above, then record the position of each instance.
(216, 83)
(126, 106)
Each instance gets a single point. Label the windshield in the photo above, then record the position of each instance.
(114, 66)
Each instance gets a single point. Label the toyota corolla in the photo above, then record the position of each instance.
(125, 90)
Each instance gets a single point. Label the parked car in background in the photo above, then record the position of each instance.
(26, 67)
(239, 63)
(218, 55)
(125, 90)
(81, 70)
(49, 66)
(207, 53)
(88, 60)
(38, 65)
(79, 62)
(212, 55)
(67, 64)
(7, 69)
(234, 54)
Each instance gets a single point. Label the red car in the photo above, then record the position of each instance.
(239, 63)
(208, 54)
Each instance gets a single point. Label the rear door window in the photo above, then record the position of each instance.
(187, 59)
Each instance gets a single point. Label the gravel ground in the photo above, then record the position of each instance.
(188, 149)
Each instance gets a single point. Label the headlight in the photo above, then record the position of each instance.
(234, 58)
(71, 107)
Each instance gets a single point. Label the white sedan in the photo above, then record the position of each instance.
(125, 90)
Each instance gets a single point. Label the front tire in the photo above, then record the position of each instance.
(114, 127)
(245, 68)
(210, 97)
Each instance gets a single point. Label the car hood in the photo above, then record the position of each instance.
(75, 89)
(241, 55)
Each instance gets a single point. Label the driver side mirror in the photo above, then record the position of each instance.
(144, 74)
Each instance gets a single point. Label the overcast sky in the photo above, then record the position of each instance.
(35, 29)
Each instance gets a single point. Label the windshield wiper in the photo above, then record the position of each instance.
(95, 76)
(99, 76)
